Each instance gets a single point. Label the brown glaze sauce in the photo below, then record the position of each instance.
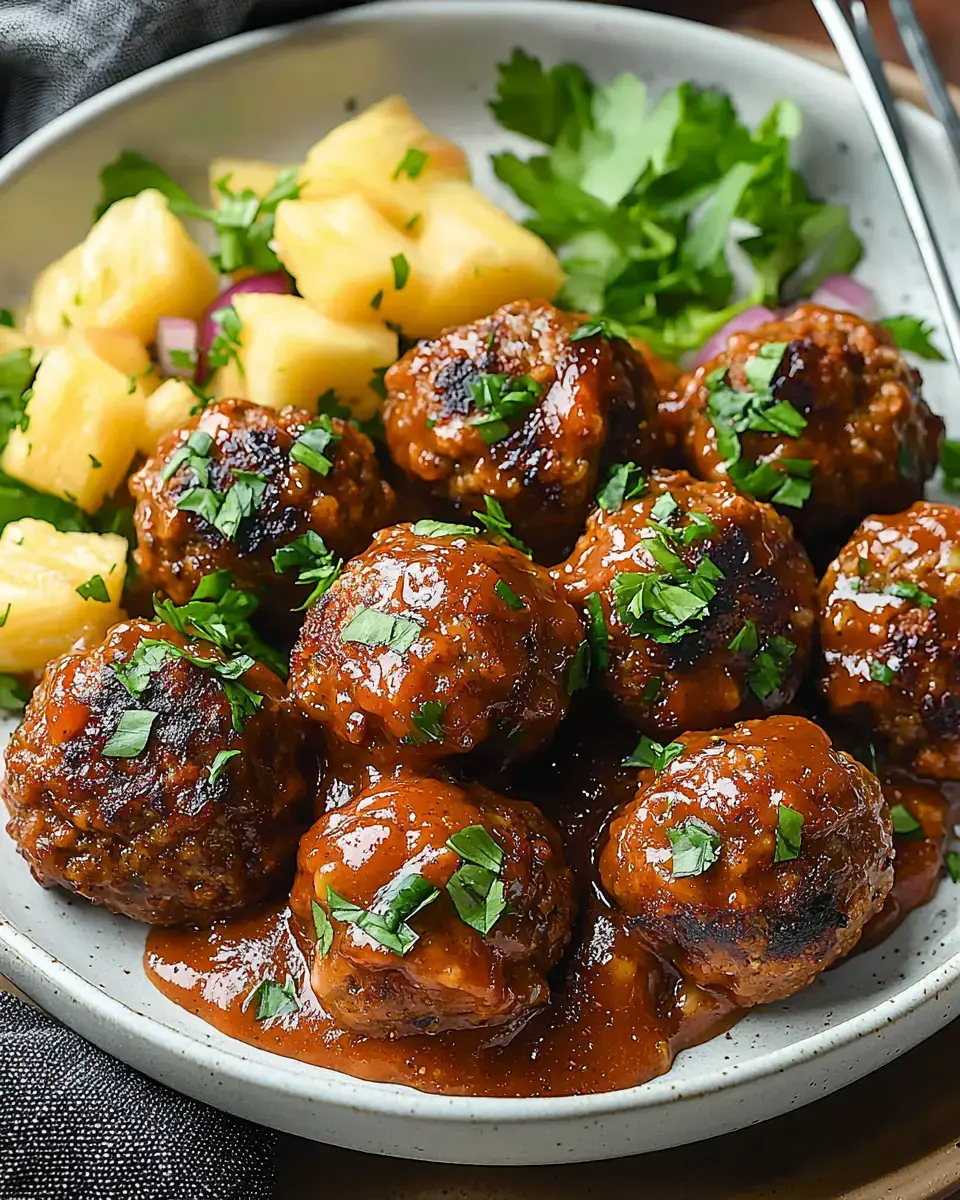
(617, 1017)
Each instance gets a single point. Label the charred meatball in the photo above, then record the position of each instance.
(514, 407)
(432, 907)
(700, 598)
(238, 482)
(754, 858)
(437, 641)
(890, 630)
(818, 412)
(173, 805)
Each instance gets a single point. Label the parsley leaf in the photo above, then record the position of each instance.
(905, 824)
(625, 481)
(910, 591)
(218, 766)
(694, 847)
(16, 377)
(655, 756)
(130, 174)
(13, 695)
(427, 724)
(319, 565)
(476, 889)
(225, 347)
(913, 335)
(747, 641)
(475, 845)
(322, 928)
(500, 399)
(273, 999)
(578, 673)
(495, 521)
(789, 833)
(597, 633)
(310, 446)
(411, 164)
(668, 604)
(508, 595)
(442, 529)
(240, 502)
(387, 920)
(950, 464)
(769, 667)
(371, 627)
(951, 860)
(881, 672)
(131, 735)
(94, 589)
(401, 271)
(605, 327)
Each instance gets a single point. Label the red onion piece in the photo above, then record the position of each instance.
(846, 293)
(743, 322)
(177, 334)
(276, 282)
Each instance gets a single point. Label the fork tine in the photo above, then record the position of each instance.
(858, 53)
(918, 51)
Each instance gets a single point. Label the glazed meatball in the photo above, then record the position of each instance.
(513, 408)
(133, 803)
(280, 498)
(754, 858)
(704, 599)
(460, 937)
(840, 398)
(890, 631)
(437, 643)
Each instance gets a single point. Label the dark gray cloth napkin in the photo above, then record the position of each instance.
(76, 1124)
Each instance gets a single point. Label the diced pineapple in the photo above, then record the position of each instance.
(136, 265)
(40, 571)
(244, 173)
(83, 428)
(123, 351)
(291, 355)
(473, 257)
(364, 154)
(342, 252)
(169, 406)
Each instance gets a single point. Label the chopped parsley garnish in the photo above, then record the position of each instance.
(913, 335)
(597, 634)
(950, 465)
(769, 667)
(322, 928)
(578, 673)
(501, 399)
(664, 508)
(695, 848)
(652, 690)
(951, 860)
(377, 300)
(508, 595)
(494, 520)
(6, 318)
(318, 564)
(93, 589)
(219, 764)
(476, 888)
(747, 641)
(442, 529)
(371, 627)
(401, 271)
(411, 164)
(644, 201)
(386, 922)
(668, 604)
(273, 999)
(910, 591)
(649, 755)
(605, 327)
(625, 481)
(95, 462)
(378, 383)
(427, 724)
(240, 502)
(475, 845)
(13, 695)
(131, 734)
(225, 347)
(16, 377)
(881, 672)
(6, 613)
(311, 446)
(789, 833)
(905, 824)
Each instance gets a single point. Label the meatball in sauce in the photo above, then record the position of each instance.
(183, 803)
(818, 412)
(231, 487)
(754, 858)
(890, 631)
(701, 599)
(518, 408)
(437, 641)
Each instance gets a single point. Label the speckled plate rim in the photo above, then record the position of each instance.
(26, 962)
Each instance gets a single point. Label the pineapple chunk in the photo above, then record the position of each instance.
(341, 254)
(169, 406)
(363, 155)
(84, 423)
(122, 350)
(40, 570)
(291, 355)
(245, 173)
(137, 264)
(473, 257)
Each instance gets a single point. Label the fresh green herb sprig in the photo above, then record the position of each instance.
(668, 604)
(649, 755)
(500, 400)
(315, 561)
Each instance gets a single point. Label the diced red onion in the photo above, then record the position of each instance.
(846, 293)
(177, 334)
(743, 322)
(276, 282)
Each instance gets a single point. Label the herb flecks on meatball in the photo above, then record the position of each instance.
(754, 857)
(437, 641)
(890, 631)
(159, 777)
(240, 483)
(429, 907)
(818, 412)
(701, 604)
(517, 407)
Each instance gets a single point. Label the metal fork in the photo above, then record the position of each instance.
(849, 27)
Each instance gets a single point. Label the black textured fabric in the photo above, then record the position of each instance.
(76, 1124)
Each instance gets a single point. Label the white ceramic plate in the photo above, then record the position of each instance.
(271, 95)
